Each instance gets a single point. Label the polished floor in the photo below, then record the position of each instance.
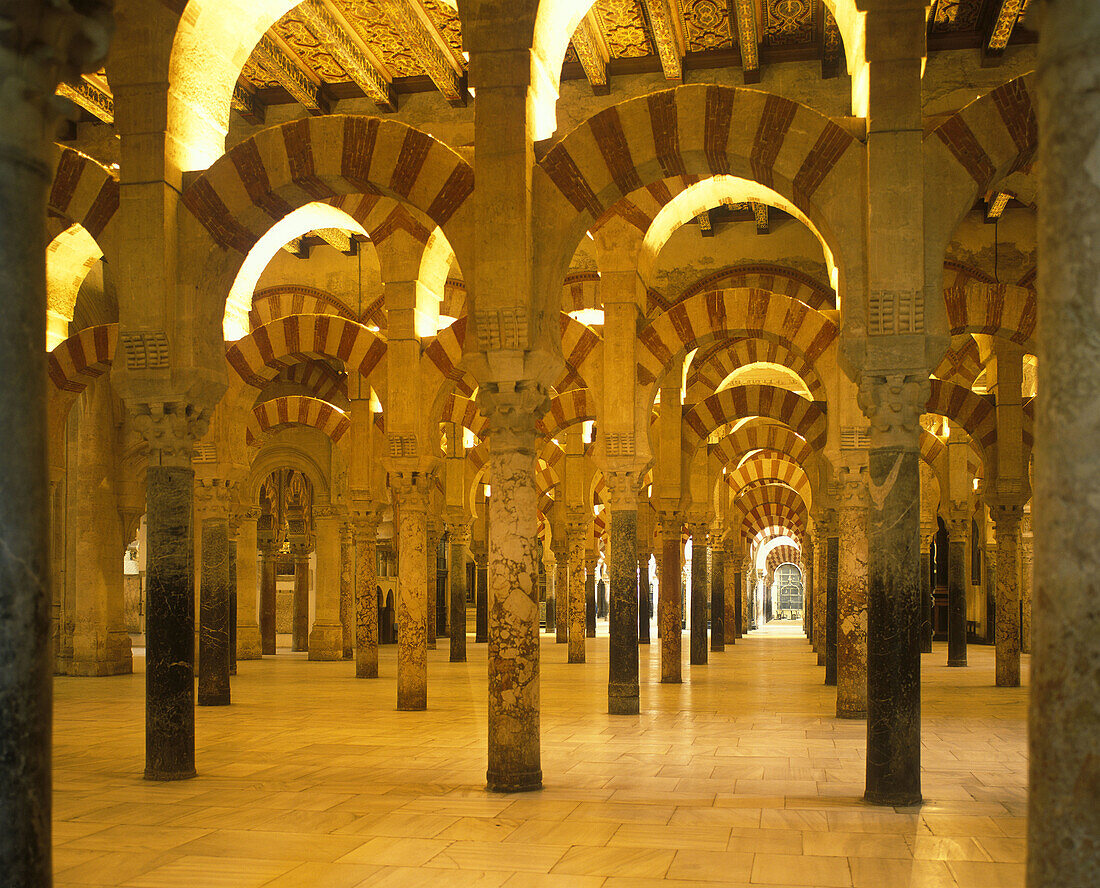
(739, 776)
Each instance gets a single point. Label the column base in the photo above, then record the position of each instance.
(893, 799)
(573, 658)
(957, 662)
(215, 700)
(528, 781)
(1008, 682)
(92, 668)
(622, 701)
(249, 645)
(851, 713)
(326, 643)
(820, 659)
(151, 774)
(363, 670)
(672, 681)
(458, 658)
(418, 705)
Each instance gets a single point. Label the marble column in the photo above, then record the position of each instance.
(591, 564)
(717, 597)
(958, 530)
(926, 588)
(733, 593)
(431, 579)
(747, 575)
(232, 599)
(481, 599)
(1025, 583)
(458, 531)
(513, 715)
(214, 614)
(669, 617)
(622, 682)
(576, 532)
(170, 583)
(326, 635)
(1064, 742)
(248, 589)
(267, 603)
(832, 566)
(365, 526)
(1006, 526)
(410, 493)
(808, 587)
(699, 584)
(645, 597)
(821, 587)
(347, 604)
(893, 404)
(561, 592)
(299, 638)
(43, 44)
(851, 644)
(550, 566)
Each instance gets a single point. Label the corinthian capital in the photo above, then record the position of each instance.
(171, 430)
(622, 489)
(894, 403)
(512, 412)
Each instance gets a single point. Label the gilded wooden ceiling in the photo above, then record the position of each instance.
(326, 50)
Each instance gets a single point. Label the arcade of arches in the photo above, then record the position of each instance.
(458, 355)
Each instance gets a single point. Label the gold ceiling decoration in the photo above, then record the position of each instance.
(706, 24)
(789, 22)
(624, 27)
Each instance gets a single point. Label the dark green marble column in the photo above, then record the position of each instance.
(958, 530)
(717, 599)
(214, 614)
(699, 583)
(832, 564)
(622, 682)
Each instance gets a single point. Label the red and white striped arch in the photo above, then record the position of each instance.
(297, 410)
(804, 417)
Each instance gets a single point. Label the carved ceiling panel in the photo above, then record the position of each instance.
(256, 75)
(447, 23)
(788, 22)
(706, 24)
(951, 16)
(370, 21)
(623, 25)
(307, 47)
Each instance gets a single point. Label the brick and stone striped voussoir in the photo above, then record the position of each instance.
(273, 303)
(763, 434)
(759, 521)
(723, 358)
(297, 410)
(768, 469)
(803, 416)
(697, 130)
(961, 363)
(464, 412)
(567, 409)
(996, 309)
(83, 357)
(732, 313)
(258, 357)
(766, 276)
(83, 191)
(581, 290)
(783, 555)
(974, 412)
(993, 136)
(289, 165)
(318, 379)
(441, 357)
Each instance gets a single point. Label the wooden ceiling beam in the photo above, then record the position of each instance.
(1006, 13)
(667, 37)
(421, 36)
(832, 47)
(249, 105)
(743, 15)
(90, 95)
(285, 70)
(345, 49)
(591, 48)
(763, 222)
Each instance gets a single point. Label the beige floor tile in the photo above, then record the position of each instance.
(711, 866)
(812, 872)
(137, 838)
(871, 873)
(418, 877)
(837, 844)
(325, 875)
(987, 875)
(550, 880)
(211, 872)
(1004, 849)
(946, 848)
(387, 851)
(480, 829)
(623, 862)
(500, 856)
(566, 832)
(672, 838)
(263, 845)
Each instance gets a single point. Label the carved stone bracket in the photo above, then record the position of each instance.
(512, 412)
(171, 430)
(894, 403)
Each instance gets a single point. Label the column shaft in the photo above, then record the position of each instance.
(326, 634)
(645, 597)
(622, 684)
(347, 603)
(699, 583)
(456, 576)
(575, 536)
(366, 598)
(412, 604)
(299, 638)
(481, 602)
(232, 606)
(832, 563)
(267, 603)
(169, 624)
(590, 598)
(851, 651)
(733, 593)
(956, 594)
(214, 614)
(561, 592)
(669, 618)
(1064, 740)
(431, 582)
(1007, 529)
(717, 600)
(925, 600)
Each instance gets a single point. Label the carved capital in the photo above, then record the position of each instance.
(512, 412)
(214, 497)
(622, 490)
(670, 526)
(853, 492)
(576, 525)
(958, 528)
(826, 522)
(411, 489)
(893, 404)
(1006, 519)
(459, 532)
(171, 430)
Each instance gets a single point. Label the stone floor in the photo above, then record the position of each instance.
(739, 776)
